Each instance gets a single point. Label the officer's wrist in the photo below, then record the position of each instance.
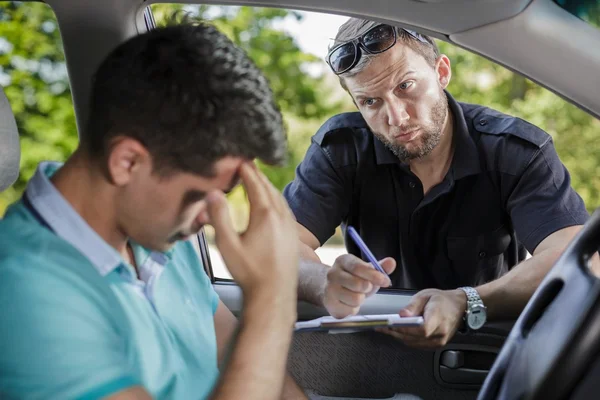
(461, 299)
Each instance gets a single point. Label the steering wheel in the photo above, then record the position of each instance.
(553, 350)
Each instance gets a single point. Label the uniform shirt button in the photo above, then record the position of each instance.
(412, 184)
(483, 122)
(482, 254)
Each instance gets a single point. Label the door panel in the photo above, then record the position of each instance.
(374, 365)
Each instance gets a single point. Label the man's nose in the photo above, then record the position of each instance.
(397, 114)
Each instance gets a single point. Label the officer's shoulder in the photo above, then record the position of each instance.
(496, 126)
(342, 129)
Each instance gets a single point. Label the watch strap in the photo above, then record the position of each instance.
(472, 296)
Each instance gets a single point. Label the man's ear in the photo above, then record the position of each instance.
(126, 157)
(443, 70)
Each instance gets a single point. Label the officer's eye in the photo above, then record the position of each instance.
(369, 102)
(405, 85)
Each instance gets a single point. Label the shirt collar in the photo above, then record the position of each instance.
(70, 226)
(466, 156)
(466, 160)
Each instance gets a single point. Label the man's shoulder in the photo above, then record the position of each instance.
(21, 236)
(494, 125)
(507, 143)
(31, 255)
(342, 129)
(345, 139)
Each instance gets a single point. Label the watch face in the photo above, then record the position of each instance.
(477, 317)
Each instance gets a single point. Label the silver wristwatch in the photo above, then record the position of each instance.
(476, 313)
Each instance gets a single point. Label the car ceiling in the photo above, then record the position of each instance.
(533, 37)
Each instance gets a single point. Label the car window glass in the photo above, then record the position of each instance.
(290, 47)
(587, 10)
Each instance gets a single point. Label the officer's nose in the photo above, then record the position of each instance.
(397, 114)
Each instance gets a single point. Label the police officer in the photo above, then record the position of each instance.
(449, 195)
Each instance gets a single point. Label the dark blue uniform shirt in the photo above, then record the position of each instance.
(505, 192)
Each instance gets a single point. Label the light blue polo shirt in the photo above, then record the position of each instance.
(75, 321)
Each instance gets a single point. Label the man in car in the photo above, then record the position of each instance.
(101, 295)
(449, 195)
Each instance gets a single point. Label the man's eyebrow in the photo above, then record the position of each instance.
(359, 95)
(192, 196)
(404, 75)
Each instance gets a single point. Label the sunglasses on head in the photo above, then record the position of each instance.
(344, 57)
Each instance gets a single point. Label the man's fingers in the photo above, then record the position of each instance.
(258, 194)
(350, 298)
(388, 264)
(226, 237)
(415, 341)
(361, 269)
(413, 332)
(277, 199)
(400, 334)
(350, 282)
(341, 310)
(415, 307)
(438, 311)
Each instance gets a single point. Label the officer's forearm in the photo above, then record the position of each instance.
(506, 297)
(312, 277)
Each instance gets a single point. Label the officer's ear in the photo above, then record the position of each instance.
(443, 70)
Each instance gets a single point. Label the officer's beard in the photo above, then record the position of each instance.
(431, 134)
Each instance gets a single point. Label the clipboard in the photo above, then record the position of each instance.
(357, 323)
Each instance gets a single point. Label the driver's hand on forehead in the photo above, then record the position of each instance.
(265, 256)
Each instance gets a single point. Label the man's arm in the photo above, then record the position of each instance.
(259, 356)
(504, 298)
(312, 272)
(225, 327)
(264, 262)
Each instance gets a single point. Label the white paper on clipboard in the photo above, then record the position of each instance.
(357, 323)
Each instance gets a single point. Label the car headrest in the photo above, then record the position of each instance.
(10, 150)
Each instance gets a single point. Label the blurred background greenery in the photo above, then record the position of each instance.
(33, 73)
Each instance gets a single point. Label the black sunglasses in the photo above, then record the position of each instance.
(344, 57)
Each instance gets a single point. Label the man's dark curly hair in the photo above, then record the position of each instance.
(190, 96)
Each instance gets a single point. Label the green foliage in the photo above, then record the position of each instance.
(274, 51)
(33, 72)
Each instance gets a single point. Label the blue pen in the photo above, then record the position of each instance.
(363, 247)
